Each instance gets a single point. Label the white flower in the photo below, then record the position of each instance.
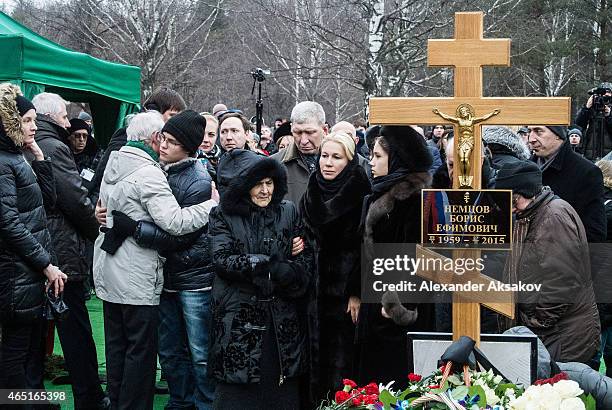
(497, 379)
(567, 389)
(489, 392)
(573, 403)
(509, 393)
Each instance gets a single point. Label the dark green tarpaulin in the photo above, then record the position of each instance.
(37, 64)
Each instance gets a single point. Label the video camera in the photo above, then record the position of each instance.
(600, 99)
(259, 74)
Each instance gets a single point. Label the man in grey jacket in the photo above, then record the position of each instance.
(129, 278)
(308, 129)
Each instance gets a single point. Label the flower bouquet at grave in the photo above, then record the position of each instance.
(457, 385)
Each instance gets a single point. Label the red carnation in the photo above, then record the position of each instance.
(357, 401)
(371, 389)
(413, 377)
(370, 399)
(341, 396)
(349, 382)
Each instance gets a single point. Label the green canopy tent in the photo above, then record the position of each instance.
(37, 64)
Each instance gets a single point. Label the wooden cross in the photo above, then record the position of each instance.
(467, 53)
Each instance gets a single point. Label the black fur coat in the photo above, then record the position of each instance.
(333, 226)
(394, 217)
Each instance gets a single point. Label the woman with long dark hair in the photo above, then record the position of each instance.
(400, 161)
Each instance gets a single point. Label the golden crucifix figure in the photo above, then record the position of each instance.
(465, 120)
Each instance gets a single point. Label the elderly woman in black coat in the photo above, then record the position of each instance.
(400, 161)
(331, 208)
(259, 337)
(25, 244)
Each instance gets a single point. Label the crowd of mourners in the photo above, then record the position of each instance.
(234, 258)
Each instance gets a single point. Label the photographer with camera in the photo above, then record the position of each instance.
(595, 119)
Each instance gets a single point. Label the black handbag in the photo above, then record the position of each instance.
(55, 307)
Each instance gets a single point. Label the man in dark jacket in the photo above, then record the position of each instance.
(71, 223)
(571, 177)
(184, 307)
(596, 122)
(85, 150)
(25, 244)
(552, 251)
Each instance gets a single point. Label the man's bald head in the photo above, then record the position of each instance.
(346, 127)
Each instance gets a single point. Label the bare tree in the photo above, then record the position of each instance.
(150, 33)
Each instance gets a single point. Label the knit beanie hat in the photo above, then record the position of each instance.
(561, 132)
(77, 125)
(188, 128)
(522, 177)
(83, 115)
(23, 105)
(575, 131)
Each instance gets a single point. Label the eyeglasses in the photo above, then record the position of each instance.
(163, 138)
(80, 135)
(515, 199)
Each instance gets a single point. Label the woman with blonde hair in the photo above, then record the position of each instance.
(331, 210)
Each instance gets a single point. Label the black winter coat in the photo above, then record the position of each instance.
(334, 226)
(25, 243)
(585, 119)
(395, 217)
(258, 283)
(72, 221)
(579, 182)
(188, 263)
(118, 140)
(89, 160)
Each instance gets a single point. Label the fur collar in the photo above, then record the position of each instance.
(383, 205)
(318, 212)
(11, 121)
(186, 161)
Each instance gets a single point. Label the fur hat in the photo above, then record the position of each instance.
(506, 138)
(244, 169)
(522, 177)
(188, 128)
(407, 148)
(281, 131)
(10, 120)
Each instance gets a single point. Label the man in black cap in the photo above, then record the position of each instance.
(571, 177)
(85, 151)
(563, 312)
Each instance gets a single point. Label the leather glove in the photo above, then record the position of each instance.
(123, 225)
(112, 241)
(394, 308)
(261, 273)
(281, 273)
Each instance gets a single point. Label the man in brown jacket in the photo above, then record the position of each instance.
(550, 248)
